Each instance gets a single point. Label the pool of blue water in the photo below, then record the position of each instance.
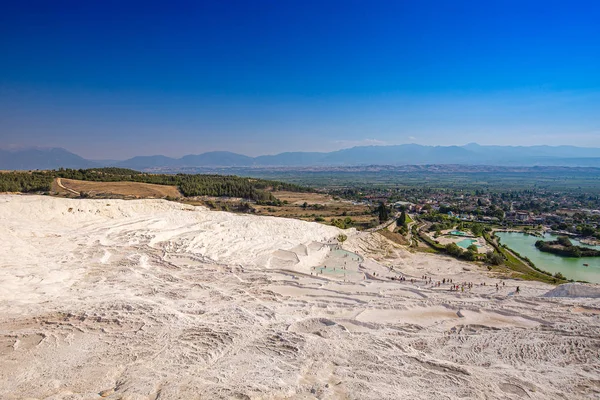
(340, 253)
(340, 262)
(466, 243)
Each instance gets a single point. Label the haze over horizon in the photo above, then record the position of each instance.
(113, 81)
(20, 149)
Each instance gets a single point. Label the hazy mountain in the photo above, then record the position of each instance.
(42, 158)
(531, 154)
(406, 154)
(291, 159)
(215, 159)
(105, 163)
(401, 154)
(144, 162)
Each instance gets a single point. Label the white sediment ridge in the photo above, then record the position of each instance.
(149, 299)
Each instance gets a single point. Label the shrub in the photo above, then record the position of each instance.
(453, 249)
(494, 258)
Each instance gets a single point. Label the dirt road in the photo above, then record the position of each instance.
(60, 184)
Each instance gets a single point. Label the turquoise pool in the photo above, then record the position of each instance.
(340, 262)
(340, 253)
(458, 233)
(467, 242)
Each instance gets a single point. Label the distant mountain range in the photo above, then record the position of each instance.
(406, 154)
(42, 158)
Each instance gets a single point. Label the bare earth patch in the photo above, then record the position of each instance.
(126, 189)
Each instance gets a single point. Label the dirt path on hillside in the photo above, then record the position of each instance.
(60, 184)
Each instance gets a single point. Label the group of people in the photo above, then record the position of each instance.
(453, 287)
(427, 279)
(469, 285)
(461, 287)
(400, 278)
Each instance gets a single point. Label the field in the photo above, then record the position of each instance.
(298, 199)
(319, 206)
(111, 189)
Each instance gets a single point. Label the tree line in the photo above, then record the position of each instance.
(26, 182)
(190, 185)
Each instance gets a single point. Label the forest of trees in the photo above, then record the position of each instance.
(189, 185)
(26, 182)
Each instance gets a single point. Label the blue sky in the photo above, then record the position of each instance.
(115, 79)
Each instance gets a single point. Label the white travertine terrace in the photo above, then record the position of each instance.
(150, 299)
